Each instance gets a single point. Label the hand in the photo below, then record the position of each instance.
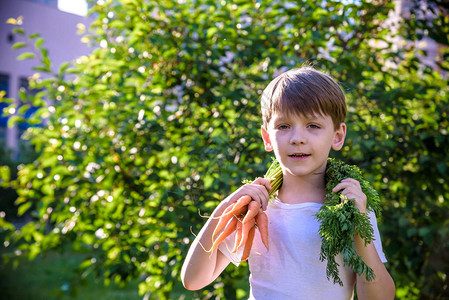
(257, 190)
(351, 189)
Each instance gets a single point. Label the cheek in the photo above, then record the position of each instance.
(276, 143)
(328, 139)
(278, 136)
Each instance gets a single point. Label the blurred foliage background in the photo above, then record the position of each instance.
(162, 120)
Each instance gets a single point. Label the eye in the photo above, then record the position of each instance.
(314, 126)
(282, 127)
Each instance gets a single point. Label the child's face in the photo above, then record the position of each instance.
(302, 143)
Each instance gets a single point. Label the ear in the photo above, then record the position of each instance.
(266, 139)
(339, 137)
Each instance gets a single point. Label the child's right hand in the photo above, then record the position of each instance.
(257, 190)
(201, 267)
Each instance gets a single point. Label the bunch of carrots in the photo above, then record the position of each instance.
(244, 216)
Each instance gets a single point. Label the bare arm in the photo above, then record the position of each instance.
(382, 287)
(200, 267)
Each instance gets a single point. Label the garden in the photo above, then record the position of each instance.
(160, 122)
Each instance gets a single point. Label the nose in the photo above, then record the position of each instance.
(298, 137)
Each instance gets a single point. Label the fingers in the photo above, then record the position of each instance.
(264, 182)
(258, 193)
(257, 190)
(351, 189)
(347, 184)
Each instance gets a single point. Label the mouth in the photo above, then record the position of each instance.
(299, 155)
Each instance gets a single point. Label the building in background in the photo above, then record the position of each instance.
(59, 30)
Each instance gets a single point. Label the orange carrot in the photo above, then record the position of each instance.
(238, 236)
(253, 209)
(241, 202)
(237, 205)
(241, 211)
(245, 231)
(229, 208)
(262, 224)
(248, 244)
(236, 214)
(235, 209)
(227, 231)
(242, 217)
(224, 219)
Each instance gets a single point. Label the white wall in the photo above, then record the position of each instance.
(59, 32)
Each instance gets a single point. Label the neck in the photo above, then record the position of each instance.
(300, 189)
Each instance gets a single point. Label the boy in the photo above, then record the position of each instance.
(303, 118)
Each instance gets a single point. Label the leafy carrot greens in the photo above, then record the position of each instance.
(340, 220)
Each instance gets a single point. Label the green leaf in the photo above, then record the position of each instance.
(26, 55)
(24, 208)
(34, 36)
(42, 68)
(39, 42)
(19, 45)
(5, 173)
(63, 67)
(208, 181)
(211, 31)
(12, 120)
(34, 251)
(48, 189)
(85, 264)
(18, 30)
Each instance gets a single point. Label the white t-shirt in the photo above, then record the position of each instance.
(292, 269)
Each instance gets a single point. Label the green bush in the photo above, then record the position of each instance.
(162, 120)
